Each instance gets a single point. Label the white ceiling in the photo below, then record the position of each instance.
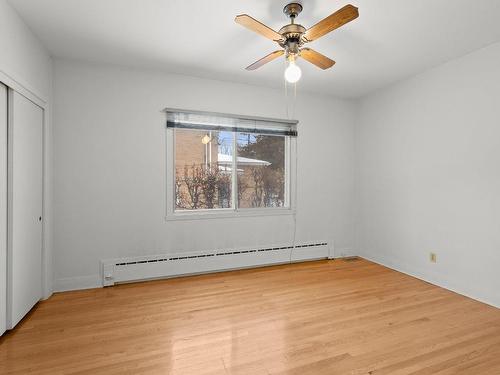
(391, 40)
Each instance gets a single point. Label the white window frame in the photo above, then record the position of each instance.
(234, 211)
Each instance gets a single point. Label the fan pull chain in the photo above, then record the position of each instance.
(294, 99)
(290, 114)
(286, 93)
(286, 99)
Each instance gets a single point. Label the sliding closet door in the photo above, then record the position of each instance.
(25, 163)
(3, 208)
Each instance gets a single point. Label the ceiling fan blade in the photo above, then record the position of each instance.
(258, 27)
(265, 60)
(332, 22)
(316, 58)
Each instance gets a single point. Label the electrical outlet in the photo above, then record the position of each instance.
(433, 257)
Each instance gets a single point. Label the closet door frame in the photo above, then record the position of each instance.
(3, 205)
(26, 90)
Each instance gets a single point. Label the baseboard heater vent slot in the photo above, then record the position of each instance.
(151, 267)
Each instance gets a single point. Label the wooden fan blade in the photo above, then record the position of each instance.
(332, 22)
(258, 27)
(316, 58)
(265, 60)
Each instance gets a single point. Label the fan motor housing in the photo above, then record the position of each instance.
(292, 33)
(292, 30)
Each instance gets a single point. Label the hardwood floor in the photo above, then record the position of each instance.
(326, 317)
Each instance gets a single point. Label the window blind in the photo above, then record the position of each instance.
(231, 123)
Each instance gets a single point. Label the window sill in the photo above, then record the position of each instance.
(229, 214)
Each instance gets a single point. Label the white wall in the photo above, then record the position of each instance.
(26, 66)
(22, 56)
(428, 175)
(109, 187)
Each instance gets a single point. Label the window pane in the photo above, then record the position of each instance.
(261, 170)
(203, 167)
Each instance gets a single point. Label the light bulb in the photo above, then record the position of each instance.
(292, 72)
(206, 139)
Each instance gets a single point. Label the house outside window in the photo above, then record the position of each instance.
(227, 165)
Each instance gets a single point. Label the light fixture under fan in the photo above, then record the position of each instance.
(292, 38)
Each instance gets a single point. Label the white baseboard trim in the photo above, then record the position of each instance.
(77, 283)
(435, 279)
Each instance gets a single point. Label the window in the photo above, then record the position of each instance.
(225, 164)
(260, 164)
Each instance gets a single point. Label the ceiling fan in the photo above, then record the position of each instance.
(292, 38)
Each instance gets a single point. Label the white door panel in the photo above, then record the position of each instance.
(3, 208)
(24, 256)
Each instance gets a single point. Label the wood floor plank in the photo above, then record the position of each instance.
(325, 317)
